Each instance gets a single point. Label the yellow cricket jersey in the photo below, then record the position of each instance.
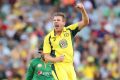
(89, 72)
(62, 44)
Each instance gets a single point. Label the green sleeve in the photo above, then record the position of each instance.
(30, 72)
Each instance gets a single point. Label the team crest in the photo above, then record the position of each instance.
(39, 65)
(63, 43)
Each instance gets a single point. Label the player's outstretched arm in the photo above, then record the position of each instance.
(49, 58)
(85, 18)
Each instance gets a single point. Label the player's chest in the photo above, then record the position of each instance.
(61, 41)
(43, 69)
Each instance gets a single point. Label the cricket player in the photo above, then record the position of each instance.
(39, 69)
(59, 43)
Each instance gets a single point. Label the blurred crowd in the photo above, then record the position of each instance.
(24, 23)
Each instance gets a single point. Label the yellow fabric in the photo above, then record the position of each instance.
(55, 42)
(113, 67)
(89, 71)
(55, 77)
(73, 26)
(17, 12)
(19, 26)
(16, 9)
(23, 54)
(90, 59)
(63, 46)
(65, 71)
(113, 44)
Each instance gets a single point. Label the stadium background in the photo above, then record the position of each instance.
(24, 23)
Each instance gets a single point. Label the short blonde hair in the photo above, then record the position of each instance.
(60, 14)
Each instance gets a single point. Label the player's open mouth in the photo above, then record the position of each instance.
(56, 26)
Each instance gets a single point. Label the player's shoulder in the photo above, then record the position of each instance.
(35, 60)
(67, 28)
(74, 24)
(49, 34)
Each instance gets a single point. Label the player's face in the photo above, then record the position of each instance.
(42, 54)
(59, 23)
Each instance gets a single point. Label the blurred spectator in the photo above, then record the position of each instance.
(24, 23)
(2, 71)
(4, 51)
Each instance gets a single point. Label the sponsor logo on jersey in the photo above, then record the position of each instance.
(48, 73)
(39, 72)
(39, 65)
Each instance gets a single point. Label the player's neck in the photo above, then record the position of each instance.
(58, 32)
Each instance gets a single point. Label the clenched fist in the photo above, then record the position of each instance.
(79, 6)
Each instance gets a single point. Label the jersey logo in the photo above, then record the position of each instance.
(66, 34)
(63, 43)
(39, 65)
(39, 72)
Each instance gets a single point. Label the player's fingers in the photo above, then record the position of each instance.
(61, 58)
(80, 5)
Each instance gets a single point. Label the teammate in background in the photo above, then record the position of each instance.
(39, 69)
(59, 42)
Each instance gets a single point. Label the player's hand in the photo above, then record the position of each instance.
(60, 58)
(79, 6)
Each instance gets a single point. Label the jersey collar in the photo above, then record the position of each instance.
(53, 32)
